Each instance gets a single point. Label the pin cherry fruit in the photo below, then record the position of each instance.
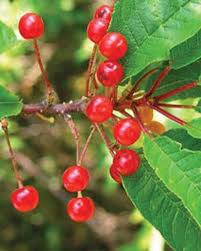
(110, 73)
(127, 131)
(75, 178)
(126, 162)
(115, 174)
(97, 29)
(99, 109)
(31, 26)
(81, 209)
(104, 11)
(113, 46)
(25, 199)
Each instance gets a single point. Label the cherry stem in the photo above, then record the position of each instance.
(75, 133)
(177, 106)
(138, 83)
(105, 138)
(90, 71)
(4, 126)
(86, 146)
(175, 91)
(167, 114)
(157, 82)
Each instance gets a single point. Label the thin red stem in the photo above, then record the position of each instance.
(75, 134)
(104, 138)
(157, 82)
(47, 83)
(177, 106)
(86, 146)
(175, 91)
(4, 126)
(167, 114)
(90, 70)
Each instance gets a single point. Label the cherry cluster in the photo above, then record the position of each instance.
(99, 109)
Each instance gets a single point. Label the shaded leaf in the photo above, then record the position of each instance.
(7, 37)
(9, 103)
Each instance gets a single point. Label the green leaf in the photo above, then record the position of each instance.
(194, 128)
(187, 141)
(7, 37)
(163, 209)
(154, 27)
(198, 107)
(186, 52)
(9, 103)
(179, 170)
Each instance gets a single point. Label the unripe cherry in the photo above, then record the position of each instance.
(81, 209)
(156, 127)
(110, 73)
(75, 178)
(113, 46)
(31, 26)
(126, 162)
(104, 11)
(99, 109)
(96, 29)
(115, 174)
(25, 199)
(127, 131)
(146, 114)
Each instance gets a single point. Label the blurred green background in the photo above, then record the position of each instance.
(45, 150)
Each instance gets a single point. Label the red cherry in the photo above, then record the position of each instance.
(104, 11)
(97, 29)
(113, 46)
(75, 178)
(99, 109)
(25, 199)
(126, 162)
(115, 174)
(110, 73)
(81, 209)
(127, 131)
(31, 26)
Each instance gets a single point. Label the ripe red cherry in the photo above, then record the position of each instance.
(127, 131)
(113, 46)
(31, 26)
(97, 29)
(110, 73)
(104, 11)
(75, 178)
(115, 174)
(126, 162)
(25, 199)
(99, 109)
(81, 209)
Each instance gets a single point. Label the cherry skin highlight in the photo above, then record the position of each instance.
(81, 209)
(113, 46)
(25, 199)
(31, 26)
(110, 73)
(127, 131)
(126, 162)
(97, 29)
(115, 174)
(104, 11)
(75, 178)
(99, 109)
